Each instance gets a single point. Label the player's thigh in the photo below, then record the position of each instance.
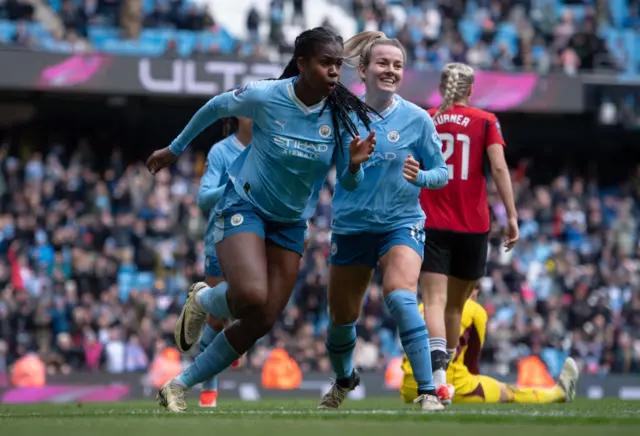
(469, 256)
(436, 264)
(352, 261)
(285, 245)
(401, 258)
(283, 265)
(409, 388)
(241, 249)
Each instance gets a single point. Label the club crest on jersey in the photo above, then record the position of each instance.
(237, 219)
(239, 91)
(393, 136)
(324, 131)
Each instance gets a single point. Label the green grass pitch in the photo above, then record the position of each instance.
(371, 417)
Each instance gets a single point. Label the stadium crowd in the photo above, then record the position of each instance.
(96, 257)
(507, 35)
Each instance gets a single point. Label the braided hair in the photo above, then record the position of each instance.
(455, 81)
(341, 102)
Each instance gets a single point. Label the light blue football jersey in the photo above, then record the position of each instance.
(292, 149)
(385, 200)
(214, 180)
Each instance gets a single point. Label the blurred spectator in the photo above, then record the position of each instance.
(253, 24)
(22, 38)
(71, 17)
(18, 10)
(95, 257)
(504, 35)
(131, 18)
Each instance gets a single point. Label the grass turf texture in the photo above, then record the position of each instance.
(371, 417)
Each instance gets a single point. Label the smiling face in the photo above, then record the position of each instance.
(385, 68)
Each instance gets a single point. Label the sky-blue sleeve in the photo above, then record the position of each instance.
(435, 175)
(209, 192)
(239, 103)
(347, 180)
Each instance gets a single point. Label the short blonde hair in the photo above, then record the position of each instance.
(455, 82)
(357, 50)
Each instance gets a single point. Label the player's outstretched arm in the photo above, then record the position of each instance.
(239, 103)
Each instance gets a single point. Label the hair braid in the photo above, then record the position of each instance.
(449, 92)
(455, 85)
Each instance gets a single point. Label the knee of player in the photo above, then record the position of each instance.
(436, 300)
(264, 324)
(453, 306)
(395, 280)
(247, 299)
(344, 315)
(398, 283)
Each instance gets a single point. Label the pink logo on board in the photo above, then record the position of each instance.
(72, 71)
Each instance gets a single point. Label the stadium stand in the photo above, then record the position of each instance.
(534, 35)
(96, 254)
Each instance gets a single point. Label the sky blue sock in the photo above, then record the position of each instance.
(207, 338)
(215, 359)
(403, 306)
(214, 300)
(341, 340)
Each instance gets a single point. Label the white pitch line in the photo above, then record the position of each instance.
(318, 413)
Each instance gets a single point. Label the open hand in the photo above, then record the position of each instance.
(359, 151)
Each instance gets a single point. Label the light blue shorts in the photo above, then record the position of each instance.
(239, 216)
(368, 248)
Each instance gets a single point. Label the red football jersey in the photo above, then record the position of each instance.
(461, 206)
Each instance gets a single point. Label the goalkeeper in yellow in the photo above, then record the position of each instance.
(466, 385)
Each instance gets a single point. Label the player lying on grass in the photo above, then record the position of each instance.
(469, 386)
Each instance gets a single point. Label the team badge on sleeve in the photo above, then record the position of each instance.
(240, 90)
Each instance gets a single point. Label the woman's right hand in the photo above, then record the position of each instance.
(511, 234)
(359, 151)
(160, 159)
